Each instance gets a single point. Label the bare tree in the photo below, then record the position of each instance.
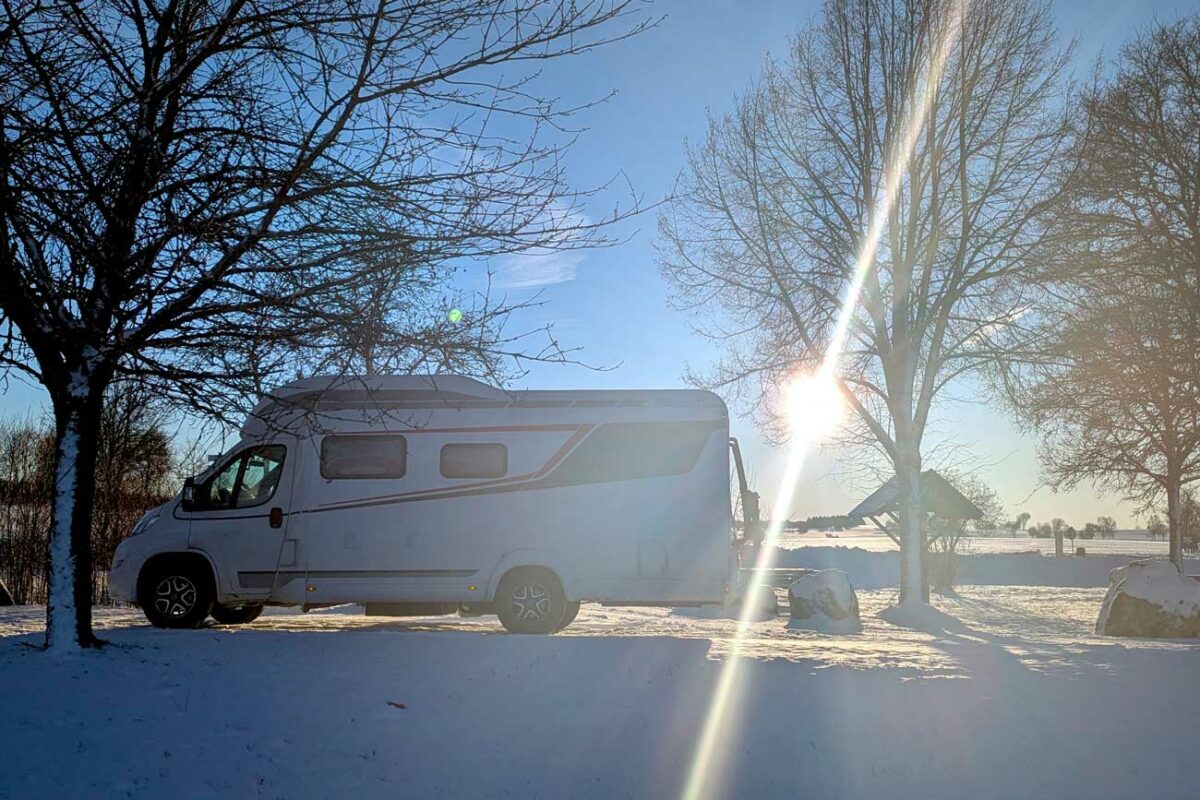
(905, 144)
(1155, 527)
(1108, 527)
(1190, 523)
(405, 324)
(191, 190)
(1116, 402)
(1114, 386)
(983, 497)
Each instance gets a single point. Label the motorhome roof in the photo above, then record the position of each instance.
(328, 393)
(373, 388)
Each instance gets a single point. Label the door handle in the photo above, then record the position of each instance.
(276, 517)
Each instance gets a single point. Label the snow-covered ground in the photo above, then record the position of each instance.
(1007, 693)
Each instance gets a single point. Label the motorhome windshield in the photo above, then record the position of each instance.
(248, 479)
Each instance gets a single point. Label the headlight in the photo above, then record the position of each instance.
(148, 519)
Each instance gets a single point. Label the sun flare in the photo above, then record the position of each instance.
(815, 406)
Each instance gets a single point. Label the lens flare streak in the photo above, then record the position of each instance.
(704, 776)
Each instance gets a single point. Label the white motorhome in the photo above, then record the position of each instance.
(421, 494)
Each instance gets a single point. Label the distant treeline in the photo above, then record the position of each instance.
(837, 522)
(135, 471)
(1103, 528)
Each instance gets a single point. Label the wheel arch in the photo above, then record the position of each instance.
(540, 559)
(194, 557)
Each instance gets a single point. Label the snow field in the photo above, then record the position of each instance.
(1127, 543)
(877, 569)
(1006, 694)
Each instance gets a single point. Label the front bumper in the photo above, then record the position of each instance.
(122, 578)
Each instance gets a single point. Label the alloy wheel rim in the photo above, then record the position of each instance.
(175, 596)
(531, 601)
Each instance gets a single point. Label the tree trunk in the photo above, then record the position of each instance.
(913, 586)
(1175, 520)
(69, 606)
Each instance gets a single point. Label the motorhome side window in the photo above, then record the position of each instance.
(364, 456)
(247, 480)
(474, 461)
(622, 451)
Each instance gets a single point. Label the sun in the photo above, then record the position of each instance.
(815, 406)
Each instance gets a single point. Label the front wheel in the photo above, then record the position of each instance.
(531, 601)
(235, 615)
(177, 595)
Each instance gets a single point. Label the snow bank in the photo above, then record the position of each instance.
(1150, 598)
(824, 601)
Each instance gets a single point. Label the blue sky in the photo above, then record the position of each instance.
(612, 302)
(616, 305)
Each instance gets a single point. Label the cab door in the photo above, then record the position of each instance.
(239, 518)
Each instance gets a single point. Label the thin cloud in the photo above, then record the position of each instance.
(546, 265)
(533, 270)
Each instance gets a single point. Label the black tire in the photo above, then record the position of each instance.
(531, 600)
(235, 615)
(176, 594)
(569, 615)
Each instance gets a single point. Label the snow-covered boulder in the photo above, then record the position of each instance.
(1150, 598)
(823, 600)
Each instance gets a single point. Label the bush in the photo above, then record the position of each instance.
(943, 558)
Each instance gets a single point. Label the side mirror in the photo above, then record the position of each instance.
(188, 501)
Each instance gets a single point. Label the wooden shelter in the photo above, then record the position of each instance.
(939, 499)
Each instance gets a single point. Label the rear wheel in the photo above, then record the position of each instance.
(176, 594)
(235, 615)
(531, 600)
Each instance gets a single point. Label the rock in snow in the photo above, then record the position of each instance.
(1150, 598)
(824, 600)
